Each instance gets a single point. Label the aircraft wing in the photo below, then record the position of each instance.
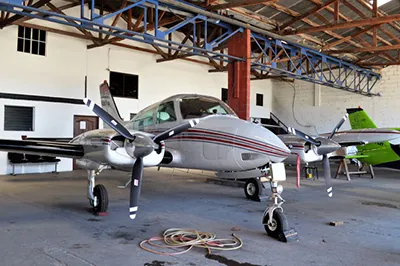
(45, 148)
(365, 136)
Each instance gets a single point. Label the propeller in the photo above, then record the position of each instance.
(138, 146)
(336, 129)
(323, 146)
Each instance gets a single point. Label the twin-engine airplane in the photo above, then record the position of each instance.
(185, 131)
(320, 148)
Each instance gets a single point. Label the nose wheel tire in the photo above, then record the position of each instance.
(251, 189)
(100, 192)
(278, 225)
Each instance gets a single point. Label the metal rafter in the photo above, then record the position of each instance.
(345, 25)
(362, 15)
(310, 12)
(380, 13)
(345, 18)
(237, 3)
(366, 49)
(310, 22)
(15, 18)
(279, 58)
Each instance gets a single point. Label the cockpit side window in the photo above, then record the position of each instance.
(196, 107)
(166, 113)
(143, 120)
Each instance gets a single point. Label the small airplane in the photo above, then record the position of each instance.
(185, 131)
(383, 152)
(320, 148)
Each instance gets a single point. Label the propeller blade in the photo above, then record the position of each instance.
(303, 135)
(108, 119)
(175, 130)
(336, 129)
(136, 184)
(327, 175)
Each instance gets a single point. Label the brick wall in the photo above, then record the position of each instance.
(320, 114)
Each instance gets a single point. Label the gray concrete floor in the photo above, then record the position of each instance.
(44, 220)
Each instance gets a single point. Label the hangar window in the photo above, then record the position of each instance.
(32, 41)
(18, 118)
(260, 99)
(166, 113)
(224, 95)
(124, 85)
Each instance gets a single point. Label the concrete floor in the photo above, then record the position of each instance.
(44, 221)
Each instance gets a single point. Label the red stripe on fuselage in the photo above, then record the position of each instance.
(234, 144)
(238, 138)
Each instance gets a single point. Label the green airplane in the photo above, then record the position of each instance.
(372, 153)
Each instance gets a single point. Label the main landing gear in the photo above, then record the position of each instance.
(254, 189)
(97, 195)
(274, 220)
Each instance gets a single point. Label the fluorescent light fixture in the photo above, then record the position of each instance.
(380, 2)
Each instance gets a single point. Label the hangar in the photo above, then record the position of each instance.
(283, 64)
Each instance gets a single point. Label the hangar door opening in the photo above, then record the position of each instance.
(83, 123)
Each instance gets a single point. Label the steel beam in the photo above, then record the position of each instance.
(346, 25)
(312, 11)
(309, 65)
(271, 56)
(238, 3)
(366, 49)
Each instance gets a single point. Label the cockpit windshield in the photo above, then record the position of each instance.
(196, 107)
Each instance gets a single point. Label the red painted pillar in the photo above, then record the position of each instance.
(239, 74)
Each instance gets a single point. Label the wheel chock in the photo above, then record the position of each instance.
(289, 236)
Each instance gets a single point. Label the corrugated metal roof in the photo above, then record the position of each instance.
(283, 11)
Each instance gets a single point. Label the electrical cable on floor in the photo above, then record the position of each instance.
(176, 238)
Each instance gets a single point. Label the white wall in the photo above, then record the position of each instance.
(61, 73)
(313, 118)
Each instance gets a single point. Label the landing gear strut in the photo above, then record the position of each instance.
(274, 220)
(97, 195)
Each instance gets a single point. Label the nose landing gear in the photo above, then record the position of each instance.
(274, 220)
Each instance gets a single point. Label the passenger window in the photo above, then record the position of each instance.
(166, 113)
(143, 120)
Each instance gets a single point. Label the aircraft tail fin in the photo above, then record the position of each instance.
(108, 103)
(359, 119)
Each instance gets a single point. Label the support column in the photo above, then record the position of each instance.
(239, 74)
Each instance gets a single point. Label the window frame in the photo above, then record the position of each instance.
(123, 85)
(30, 39)
(223, 91)
(262, 99)
(33, 110)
